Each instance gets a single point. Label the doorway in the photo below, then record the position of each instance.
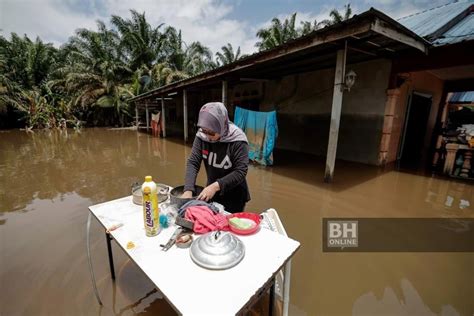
(411, 154)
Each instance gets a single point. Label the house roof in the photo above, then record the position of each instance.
(447, 24)
(462, 97)
(463, 31)
(369, 35)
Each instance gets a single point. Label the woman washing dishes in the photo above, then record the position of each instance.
(224, 148)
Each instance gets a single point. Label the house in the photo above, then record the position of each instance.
(398, 64)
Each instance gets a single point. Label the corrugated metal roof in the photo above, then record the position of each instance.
(428, 22)
(462, 97)
(463, 31)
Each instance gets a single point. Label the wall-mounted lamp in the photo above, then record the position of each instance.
(349, 80)
(172, 93)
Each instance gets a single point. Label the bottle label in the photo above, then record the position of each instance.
(148, 217)
(150, 209)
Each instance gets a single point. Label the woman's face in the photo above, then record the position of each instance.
(211, 135)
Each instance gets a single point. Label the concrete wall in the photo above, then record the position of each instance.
(304, 102)
(196, 99)
(423, 82)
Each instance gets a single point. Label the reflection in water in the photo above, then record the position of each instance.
(410, 304)
(48, 179)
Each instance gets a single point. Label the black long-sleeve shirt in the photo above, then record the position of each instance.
(226, 163)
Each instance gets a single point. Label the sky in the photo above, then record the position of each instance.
(212, 22)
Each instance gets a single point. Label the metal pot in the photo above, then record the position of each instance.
(176, 193)
(163, 190)
(217, 250)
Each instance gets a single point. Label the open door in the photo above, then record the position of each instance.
(411, 151)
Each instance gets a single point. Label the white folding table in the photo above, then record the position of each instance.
(213, 292)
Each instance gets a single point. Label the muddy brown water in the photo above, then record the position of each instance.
(48, 179)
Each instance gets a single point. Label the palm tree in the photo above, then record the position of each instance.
(338, 17)
(308, 27)
(142, 42)
(35, 108)
(173, 48)
(40, 61)
(227, 55)
(25, 66)
(7, 86)
(26, 62)
(96, 71)
(198, 59)
(159, 75)
(163, 74)
(277, 33)
(281, 32)
(10, 94)
(190, 59)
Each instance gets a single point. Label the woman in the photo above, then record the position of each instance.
(224, 148)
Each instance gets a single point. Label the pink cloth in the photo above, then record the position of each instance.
(205, 220)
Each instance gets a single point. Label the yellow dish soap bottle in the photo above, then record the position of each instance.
(151, 216)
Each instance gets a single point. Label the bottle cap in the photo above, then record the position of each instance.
(148, 179)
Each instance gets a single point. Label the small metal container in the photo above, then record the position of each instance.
(184, 240)
(217, 250)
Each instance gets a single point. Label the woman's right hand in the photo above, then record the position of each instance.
(187, 195)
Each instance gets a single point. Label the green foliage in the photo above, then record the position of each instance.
(338, 17)
(277, 33)
(280, 32)
(91, 77)
(141, 42)
(228, 55)
(25, 66)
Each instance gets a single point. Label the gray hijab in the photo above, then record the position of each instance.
(213, 116)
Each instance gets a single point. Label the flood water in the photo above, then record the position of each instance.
(48, 179)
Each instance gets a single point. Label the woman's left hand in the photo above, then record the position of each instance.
(208, 193)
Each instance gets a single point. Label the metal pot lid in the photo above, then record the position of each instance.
(217, 250)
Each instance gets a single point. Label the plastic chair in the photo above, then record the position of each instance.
(271, 220)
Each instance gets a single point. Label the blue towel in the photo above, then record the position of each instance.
(262, 130)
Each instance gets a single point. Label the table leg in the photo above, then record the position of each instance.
(271, 298)
(111, 257)
(89, 259)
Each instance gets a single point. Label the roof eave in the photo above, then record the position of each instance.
(371, 20)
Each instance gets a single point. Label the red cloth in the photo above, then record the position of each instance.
(155, 128)
(205, 220)
(156, 124)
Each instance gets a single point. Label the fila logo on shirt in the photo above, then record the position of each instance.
(211, 160)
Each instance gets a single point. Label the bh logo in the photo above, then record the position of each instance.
(343, 234)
